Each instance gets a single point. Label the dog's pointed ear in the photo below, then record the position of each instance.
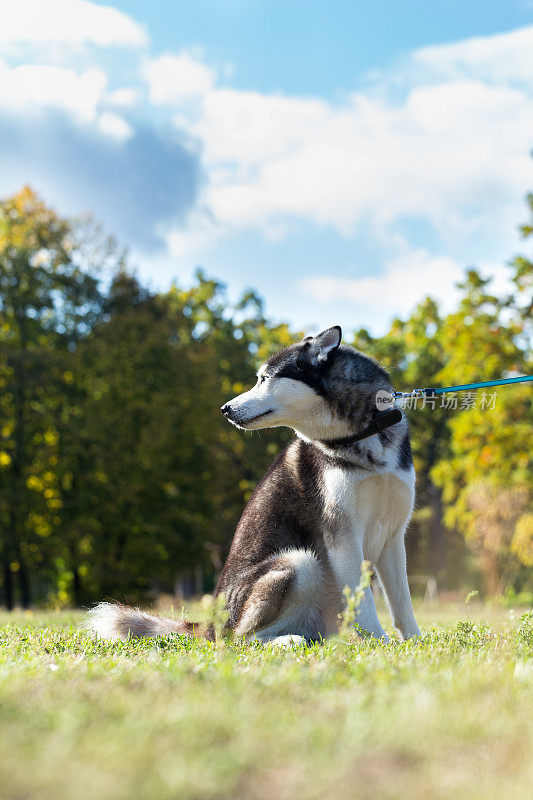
(324, 343)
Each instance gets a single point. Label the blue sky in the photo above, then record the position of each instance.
(316, 47)
(343, 158)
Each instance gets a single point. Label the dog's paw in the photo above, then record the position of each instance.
(289, 640)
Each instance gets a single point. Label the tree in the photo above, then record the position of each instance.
(487, 476)
(153, 479)
(48, 301)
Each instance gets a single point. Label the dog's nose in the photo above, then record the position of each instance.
(226, 409)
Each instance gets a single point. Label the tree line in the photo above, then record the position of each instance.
(118, 472)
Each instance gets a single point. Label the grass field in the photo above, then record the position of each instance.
(446, 716)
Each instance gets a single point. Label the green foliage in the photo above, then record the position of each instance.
(117, 470)
(487, 478)
(352, 600)
(48, 303)
(524, 634)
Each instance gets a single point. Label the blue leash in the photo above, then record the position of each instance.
(384, 419)
(463, 387)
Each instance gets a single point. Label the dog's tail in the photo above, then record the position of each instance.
(114, 622)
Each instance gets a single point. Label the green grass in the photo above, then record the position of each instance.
(446, 716)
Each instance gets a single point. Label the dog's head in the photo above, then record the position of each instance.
(318, 387)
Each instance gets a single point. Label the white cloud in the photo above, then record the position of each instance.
(173, 79)
(502, 57)
(407, 277)
(127, 97)
(30, 87)
(72, 22)
(447, 150)
(114, 126)
(450, 148)
(200, 234)
(453, 151)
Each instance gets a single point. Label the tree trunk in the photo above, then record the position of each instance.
(493, 580)
(437, 533)
(437, 555)
(8, 582)
(24, 584)
(76, 586)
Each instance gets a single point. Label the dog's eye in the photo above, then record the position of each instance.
(262, 379)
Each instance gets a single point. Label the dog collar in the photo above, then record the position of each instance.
(380, 421)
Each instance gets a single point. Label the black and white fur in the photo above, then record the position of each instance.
(325, 505)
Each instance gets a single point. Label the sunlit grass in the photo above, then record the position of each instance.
(449, 715)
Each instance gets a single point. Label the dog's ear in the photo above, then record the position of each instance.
(321, 345)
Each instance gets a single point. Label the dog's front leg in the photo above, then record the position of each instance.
(346, 559)
(392, 572)
(367, 616)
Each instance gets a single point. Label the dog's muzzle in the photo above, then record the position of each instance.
(232, 414)
(237, 417)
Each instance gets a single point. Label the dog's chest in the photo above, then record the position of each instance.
(360, 514)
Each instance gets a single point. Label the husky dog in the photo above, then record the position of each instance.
(342, 492)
